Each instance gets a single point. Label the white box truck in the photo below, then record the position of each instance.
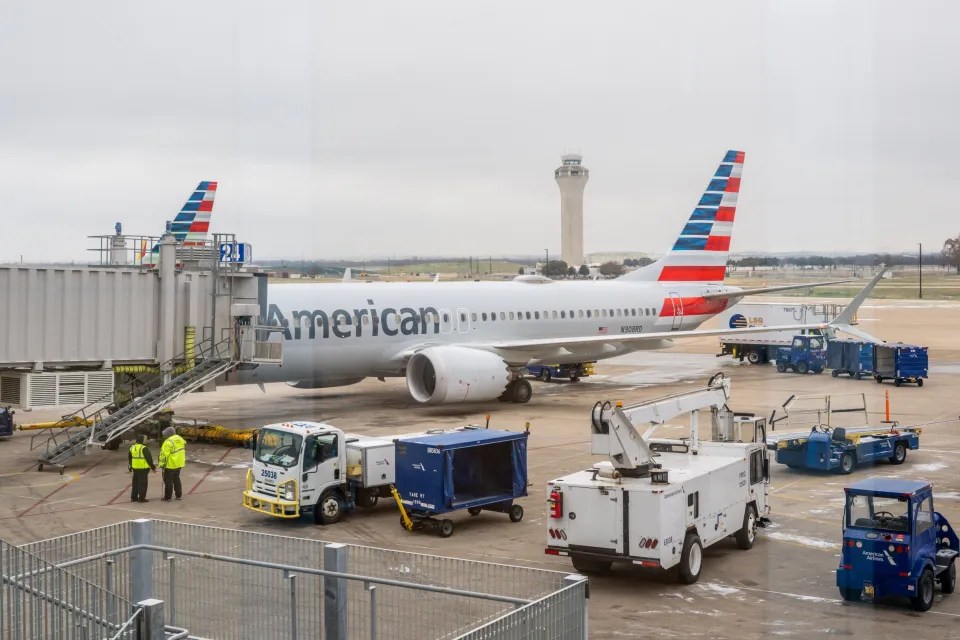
(659, 502)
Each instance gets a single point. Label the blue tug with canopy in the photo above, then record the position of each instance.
(895, 544)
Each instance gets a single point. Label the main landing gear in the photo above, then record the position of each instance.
(519, 391)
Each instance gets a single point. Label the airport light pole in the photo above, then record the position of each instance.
(920, 263)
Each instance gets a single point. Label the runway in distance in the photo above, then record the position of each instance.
(470, 341)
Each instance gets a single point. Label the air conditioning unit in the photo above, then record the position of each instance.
(28, 390)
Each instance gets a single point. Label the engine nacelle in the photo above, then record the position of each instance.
(443, 375)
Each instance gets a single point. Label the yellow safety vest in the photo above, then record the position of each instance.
(138, 460)
(173, 453)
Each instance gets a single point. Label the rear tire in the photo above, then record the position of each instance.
(850, 595)
(920, 382)
(857, 376)
(748, 534)
(846, 463)
(754, 357)
(588, 565)
(924, 599)
(474, 511)
(545, 375)
(516, 513)
(835, 373)
(802, 367)
(948, 579)
(446, 528)
(899, 453)
(691, 559)
(782, 368)
(897, 382)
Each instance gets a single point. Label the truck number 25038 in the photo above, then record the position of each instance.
(266, 473)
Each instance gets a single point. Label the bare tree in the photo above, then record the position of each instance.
(951, 252)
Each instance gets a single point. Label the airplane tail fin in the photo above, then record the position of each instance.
(191, 224)
(701, 250)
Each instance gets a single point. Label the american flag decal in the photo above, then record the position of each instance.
(603, 330)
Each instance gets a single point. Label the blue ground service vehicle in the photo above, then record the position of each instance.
(805, 353)
(900, 362)
(475, 469)
(852, 357)
(895, 544)
(839, 449)
(571, 372)
(6, 421)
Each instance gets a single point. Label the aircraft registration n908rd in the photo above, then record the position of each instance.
(470, 341)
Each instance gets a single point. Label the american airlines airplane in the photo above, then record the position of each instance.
(470, 341)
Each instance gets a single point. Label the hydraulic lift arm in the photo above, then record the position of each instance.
(614, 428)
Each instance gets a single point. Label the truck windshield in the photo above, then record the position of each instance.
(876, 512)
(281, 448)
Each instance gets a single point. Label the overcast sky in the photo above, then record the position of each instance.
(352, 128)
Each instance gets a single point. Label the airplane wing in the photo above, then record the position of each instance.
(753, 292)
(518, 350)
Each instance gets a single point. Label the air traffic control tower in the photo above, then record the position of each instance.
(572, 178)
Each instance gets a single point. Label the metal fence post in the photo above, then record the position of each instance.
(335, 592)
(576, 579)
(171, 601)
(141, 561)
(152, 624)
(110, 603)
(373, 611)
(293, 605)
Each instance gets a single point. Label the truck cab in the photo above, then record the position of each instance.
(6, 421)
(315, 468)
(805, 353)
(895, 544)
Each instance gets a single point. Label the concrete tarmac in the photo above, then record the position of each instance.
(783, 587)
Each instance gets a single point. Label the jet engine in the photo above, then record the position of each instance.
(444, 375)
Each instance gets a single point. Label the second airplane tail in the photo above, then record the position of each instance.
(701, 250)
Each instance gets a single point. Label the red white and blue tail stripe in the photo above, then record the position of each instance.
(191, 224)
(700, 252)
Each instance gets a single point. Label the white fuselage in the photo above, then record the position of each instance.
(336, 334)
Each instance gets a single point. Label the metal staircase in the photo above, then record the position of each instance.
(111, 420)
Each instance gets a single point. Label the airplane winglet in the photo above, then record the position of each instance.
(346, 275)
(848, 313)
(436, 278)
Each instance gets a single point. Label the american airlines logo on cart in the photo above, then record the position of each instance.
(354, 323)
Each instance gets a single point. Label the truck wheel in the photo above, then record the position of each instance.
(474, 511)
(835, 373)
(782, 368)
(446, 528)
(754, 357)
(329, 509)
(846, 463)
(878, 379)
(924, 599)
(516, 513)
(920, 382)
(575, 378)
(899, 453)
(748, 534)
(545, 375)
(802, 367)
(897, 382)
(691, 559)
(521, 391)
(586, 565)
(850, 595)
(366, 499)
(948, 579)
(818, 370)
(857, 375)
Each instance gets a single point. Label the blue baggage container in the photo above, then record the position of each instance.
(835, 356)
(474, 469)
(852, 357)
(900, 362)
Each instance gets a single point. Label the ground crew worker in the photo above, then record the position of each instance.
(173, 457)
(140, 462)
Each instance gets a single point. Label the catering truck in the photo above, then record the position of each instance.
(760, 348)
(659, 502)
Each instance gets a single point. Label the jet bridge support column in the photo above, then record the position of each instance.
(168, 289)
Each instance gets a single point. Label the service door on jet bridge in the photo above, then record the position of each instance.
(595, 518)
(677, 304)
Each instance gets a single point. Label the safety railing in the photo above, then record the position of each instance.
(222, 583)
(40, 601)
